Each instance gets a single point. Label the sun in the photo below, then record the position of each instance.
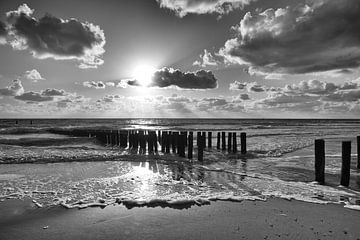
(143, 74)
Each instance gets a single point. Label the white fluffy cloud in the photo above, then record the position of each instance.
(33, 75)
(56, 38)
(184, 7)
(14, 89)
(206, 59)
(93, 84)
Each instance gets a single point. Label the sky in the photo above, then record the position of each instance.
(180, 58)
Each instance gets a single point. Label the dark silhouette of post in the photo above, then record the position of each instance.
(229, 141)
(167, 142)
(198, 138)
(346, 160)
(209, 139)
(243, 142)
(163, 141)
(203, 137)
(218, 141)
(223, 139)
(358, 151)
(190, 145)
(201, 149)
(175, 142)
(150, 139)
(234, 142)
(320, 161)
(155, 141)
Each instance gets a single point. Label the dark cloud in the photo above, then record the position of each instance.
(53, 92)
(52, 37)
(184, 7)
(34, 97)
(321, 36)
(244, 96)
(168, 77)
(3, 31)
(93, 84)
(14, 89)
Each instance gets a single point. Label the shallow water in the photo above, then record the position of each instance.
(280, 163)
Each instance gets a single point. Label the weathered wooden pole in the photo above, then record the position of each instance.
(229, 141)
(358, 151)
(163, 133)
(150, 142)
(182, 140)
(201, 150)
(198, 138)
(175, 141)
(346, 161)
(234, 142)
(223, 139)
(190, 145)
(155, 140)
(218, 141)
(203, 137)
(243, 142)
(167, 142)
(320, 161)
(209, 139)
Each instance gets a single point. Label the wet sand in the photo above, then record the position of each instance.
(273, 219)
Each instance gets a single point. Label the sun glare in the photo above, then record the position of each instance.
(143, 74)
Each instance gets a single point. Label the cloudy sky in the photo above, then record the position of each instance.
(180, 58)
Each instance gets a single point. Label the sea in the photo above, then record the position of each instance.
(79, 172)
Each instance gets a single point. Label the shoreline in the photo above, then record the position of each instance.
(272, 219)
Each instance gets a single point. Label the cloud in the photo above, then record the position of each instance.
(53, 92)
(250, 87)
(33, 97)
(169, 77)
(184, 7)
(244, 96)
(52, 37)
(321, 36)
(312, 96)
(3, 33)
(206, 59)
(33, 75)
(93, 84)
(15, 89)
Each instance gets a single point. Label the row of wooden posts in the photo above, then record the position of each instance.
(141, 141)
(345, 165)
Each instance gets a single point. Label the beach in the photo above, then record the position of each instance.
(59, 182)
(271, 219)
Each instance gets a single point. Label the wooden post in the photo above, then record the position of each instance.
(243, 142)
(223, 139)
(229, 141)
(218, 141)
(203, 135)
(150, 142)
(320, 161)
(190, 145)
(234, 142)
(181, 148)
(175, 137)
(346, 161)
(198, 138)
(358, 151)
(163, 134)
(167, 142)
(201, 149)
(209, 139)
(155, 141)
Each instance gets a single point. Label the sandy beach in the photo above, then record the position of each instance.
(272, 219)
